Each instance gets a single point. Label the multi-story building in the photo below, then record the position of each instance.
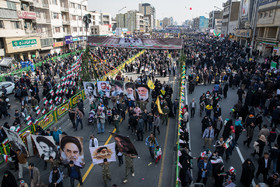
(18, 33)
(247, 17)
(149, 13)
(132, 20)
(196, 23)
(213, 16)
(167, 22)
(230, 17)
(41, 26)
(268, 27)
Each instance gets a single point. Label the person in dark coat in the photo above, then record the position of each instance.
(219, 179)
(9, 180)
(248, 171)
(225, 90)
(185, 176)
(204, 170)
(264, 166)
(227, 129)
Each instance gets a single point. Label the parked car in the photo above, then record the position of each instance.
(10, 87)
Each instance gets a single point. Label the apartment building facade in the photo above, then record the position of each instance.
(268, 28)
(30, 27)
(132, 20)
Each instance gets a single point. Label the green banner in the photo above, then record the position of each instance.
(273, 65)
(24, 43)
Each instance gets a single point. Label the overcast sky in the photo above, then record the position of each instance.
(164, 8)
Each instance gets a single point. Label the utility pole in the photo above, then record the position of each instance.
(254, 24)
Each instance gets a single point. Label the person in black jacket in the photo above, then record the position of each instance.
(248, 172)
(74, 172)
(264, 166)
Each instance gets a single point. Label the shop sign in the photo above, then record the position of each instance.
(75, 39)
(57, 44)
(24, 43)
(245, 33)
(26, 15)
(68, 39)
(2, 53)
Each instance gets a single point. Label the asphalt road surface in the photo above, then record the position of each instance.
(240, 152)
(146, 172)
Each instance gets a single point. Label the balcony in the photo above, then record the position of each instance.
(64, 9)
(42, 21)
(65, 22)
(40, 5)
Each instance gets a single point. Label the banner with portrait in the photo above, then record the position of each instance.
(124, 144)
(90, 88)
(98, 154)
(15, 141)
(142, 92)
(45, 146)
(129, 90)
(103, 88)
(71, 148)
(116, 88)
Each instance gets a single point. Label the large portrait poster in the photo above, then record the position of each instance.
(71, 148)
(129, 90)
(45, 146)
(142, 91)
(103, 88)
(124, 144)
(116, 88)
(98, 154)
(15, 141)
(89, 88)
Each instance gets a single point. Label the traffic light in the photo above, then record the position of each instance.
(87, 19)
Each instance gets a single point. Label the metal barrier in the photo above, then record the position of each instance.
(54, 115)
(180, 115)
(7, 76)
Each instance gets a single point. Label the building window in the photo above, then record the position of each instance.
(54, 2)
(74, 17)
(81, 29)
(79, 6)
(57, 29)
(11, 5)
(72, 5)
(55, 15)
(80, 17)
(261, 15)
(1, 24)
(75, 29)
(265, 14)
(15, 24)
(270, 13)
(84, 7)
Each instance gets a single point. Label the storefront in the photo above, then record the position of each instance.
(57, 47)
(267, 48)
(22, 48)
(69, 42)
(243, 36)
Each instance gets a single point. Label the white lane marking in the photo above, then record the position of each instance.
(242, 160)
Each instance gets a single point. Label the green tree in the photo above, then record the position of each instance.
(85, 73)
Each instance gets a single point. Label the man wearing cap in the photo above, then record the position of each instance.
(165, 111)
(56, 178)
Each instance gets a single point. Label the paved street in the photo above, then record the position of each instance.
(236, 159)
(146, 174)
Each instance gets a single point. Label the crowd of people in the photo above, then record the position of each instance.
(144, 118)
(227, 65)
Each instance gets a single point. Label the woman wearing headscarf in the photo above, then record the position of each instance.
(259, 146)
(9, 180)
(227, 129)
(248, 170)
